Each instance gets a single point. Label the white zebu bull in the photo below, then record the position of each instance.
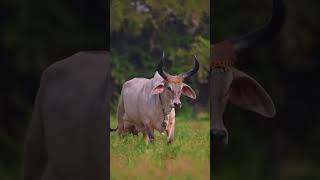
(148, 104)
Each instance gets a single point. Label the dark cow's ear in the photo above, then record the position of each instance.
(188, 91)
(158, 89)
(250, 95)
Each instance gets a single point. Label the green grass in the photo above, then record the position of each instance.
(188, 157)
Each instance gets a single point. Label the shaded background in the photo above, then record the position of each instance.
(33, 35)
(286, 147)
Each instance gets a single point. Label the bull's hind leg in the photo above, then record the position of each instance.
(134, 130)
(145, 137)
(130, 128)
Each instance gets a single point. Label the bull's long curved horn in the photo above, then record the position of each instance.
(194, 70)
(264, 33)
(160, 70)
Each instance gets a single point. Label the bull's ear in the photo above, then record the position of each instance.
(188, 91)
(158, 89)
(250, 95)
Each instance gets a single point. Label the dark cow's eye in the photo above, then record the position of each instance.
(169, 88)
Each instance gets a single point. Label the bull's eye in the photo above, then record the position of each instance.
(169, 88)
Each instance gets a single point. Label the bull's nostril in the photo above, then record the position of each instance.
(218, 134)
(177, 105)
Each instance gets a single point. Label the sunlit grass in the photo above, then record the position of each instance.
(188, 157)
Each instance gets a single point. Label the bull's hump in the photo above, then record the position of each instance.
(135, 82)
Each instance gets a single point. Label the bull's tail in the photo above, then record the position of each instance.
(112, 130)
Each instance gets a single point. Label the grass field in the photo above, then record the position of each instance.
(188, 157)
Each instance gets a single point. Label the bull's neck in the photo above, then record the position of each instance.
(222, 55)
(163, 105)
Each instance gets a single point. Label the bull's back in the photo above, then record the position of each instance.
(132, 91)
(75, 116)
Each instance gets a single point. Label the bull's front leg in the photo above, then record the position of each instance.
(149, 135)
(170, 128)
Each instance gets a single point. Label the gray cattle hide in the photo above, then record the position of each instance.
(67, 138)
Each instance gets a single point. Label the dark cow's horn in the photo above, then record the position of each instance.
(194, 70)
(160, 68)
(264, 33)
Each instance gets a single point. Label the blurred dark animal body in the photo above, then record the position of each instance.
(230, 84)
(148, 104)
(67, 137)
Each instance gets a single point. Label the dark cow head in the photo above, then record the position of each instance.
(173, 85)
(230, 84)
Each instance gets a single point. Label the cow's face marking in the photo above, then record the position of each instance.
(172, 89)
(172, 92)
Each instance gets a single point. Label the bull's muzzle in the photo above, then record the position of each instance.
(219, 136)
(177, 105)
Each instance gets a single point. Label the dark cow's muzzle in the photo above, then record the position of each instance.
(219, 136)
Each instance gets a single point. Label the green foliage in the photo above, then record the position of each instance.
(201, 47)
(135, 14)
